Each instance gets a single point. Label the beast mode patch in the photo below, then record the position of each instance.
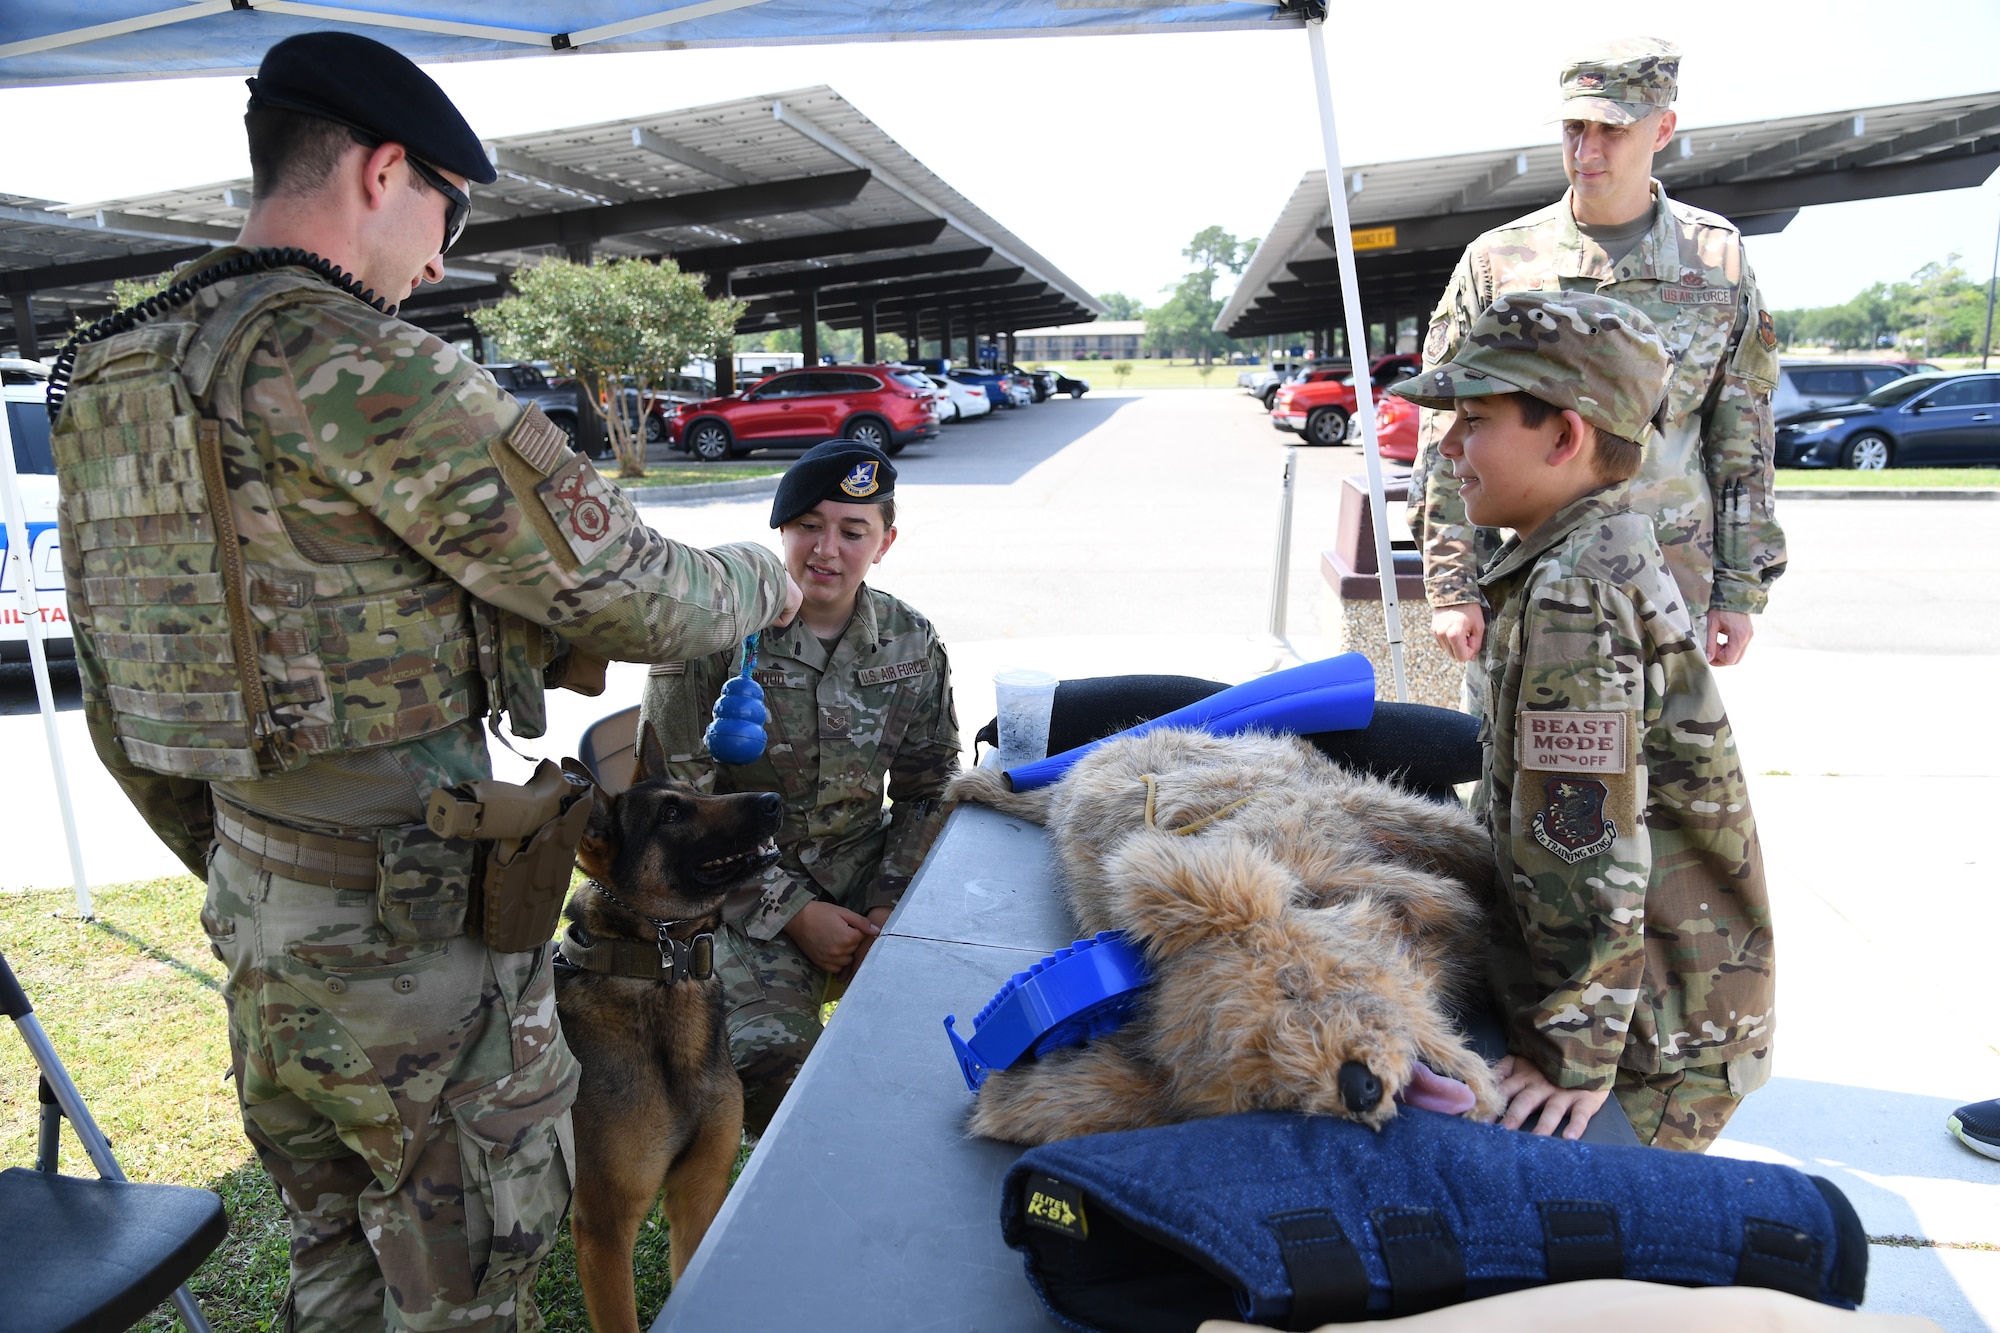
(1575, 742)
(1573, 824)
(579, 500)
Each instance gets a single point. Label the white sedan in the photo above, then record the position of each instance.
(964, 401)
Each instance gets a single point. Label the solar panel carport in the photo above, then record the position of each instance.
(1412, 219)
(797, 202)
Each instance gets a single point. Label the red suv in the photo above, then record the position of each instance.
(803, 407)
(1321, 406)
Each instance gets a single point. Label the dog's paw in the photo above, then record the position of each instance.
(1173, 893)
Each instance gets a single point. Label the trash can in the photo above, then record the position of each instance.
(1353, 611)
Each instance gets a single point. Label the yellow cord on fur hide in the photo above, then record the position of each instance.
(1152, 791)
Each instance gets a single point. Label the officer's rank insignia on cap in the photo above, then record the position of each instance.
(1054, 1206)
(861, 483)
(1573, 824)
(1590, 80)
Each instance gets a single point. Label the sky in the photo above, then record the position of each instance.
(1108, 153)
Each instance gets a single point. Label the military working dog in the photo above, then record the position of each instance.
(659, 1106)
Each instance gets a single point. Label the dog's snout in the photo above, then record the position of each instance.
(1359, 1088)
(771, 805)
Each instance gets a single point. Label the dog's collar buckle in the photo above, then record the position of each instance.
(691, 959)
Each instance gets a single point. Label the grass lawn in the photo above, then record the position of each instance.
(133, 1004)
(688, 474)
(1149, 374)
(1955, 478)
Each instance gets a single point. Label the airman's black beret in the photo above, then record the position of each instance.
(843, 470)
(372, 88)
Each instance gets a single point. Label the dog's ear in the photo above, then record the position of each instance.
(652, 757)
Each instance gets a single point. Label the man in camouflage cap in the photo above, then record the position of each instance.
(859, 693)
(1631, 944)
(309, 550)
(1707, 482)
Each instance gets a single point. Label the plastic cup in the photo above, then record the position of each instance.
(1024, 699)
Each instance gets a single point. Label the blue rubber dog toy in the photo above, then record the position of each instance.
(736, 736)
(1090, 989)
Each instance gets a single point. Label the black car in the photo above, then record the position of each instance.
(1916, 421)
(1042, 383)
(1069, 384)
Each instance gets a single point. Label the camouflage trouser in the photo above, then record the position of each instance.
(410, 1100)
(774, 996)
(1686, 1109)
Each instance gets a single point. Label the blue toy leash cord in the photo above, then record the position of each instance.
(736, 736)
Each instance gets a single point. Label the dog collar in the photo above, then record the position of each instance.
(667, 959)
(1088, 990)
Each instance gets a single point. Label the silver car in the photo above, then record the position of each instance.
(1805, 386)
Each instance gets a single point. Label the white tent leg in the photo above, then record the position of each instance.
(1357, 353)
(19, 554)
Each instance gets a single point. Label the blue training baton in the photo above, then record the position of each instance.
(1337, 694)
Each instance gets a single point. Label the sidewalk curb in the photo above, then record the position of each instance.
(1887, 493)
(703, 490)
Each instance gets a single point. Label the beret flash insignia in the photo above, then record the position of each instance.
(861, 483)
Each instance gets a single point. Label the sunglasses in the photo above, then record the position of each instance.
(460, 211)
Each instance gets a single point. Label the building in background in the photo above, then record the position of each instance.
(1102, 340)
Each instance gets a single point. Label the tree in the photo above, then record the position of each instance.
(1117, 305)
(605, 323)
(1213, 248)
(1185, 322)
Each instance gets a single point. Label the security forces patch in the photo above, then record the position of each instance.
(861, 482)
(579, 500)
(1055, 1206)
(1767, 332)
(1573, 825)
(1437, 342)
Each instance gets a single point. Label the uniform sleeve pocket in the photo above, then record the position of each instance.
(517, 1156)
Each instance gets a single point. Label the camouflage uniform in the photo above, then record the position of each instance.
(1707, 480)
(414, 545)
(1631, 930)
(878, 706)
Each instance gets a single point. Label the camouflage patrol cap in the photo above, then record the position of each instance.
(1598, 357)
(846, 471)
(1620, 81)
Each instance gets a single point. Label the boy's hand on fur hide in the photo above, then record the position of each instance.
(829, 935)
(1527, 1089)
(877, 917)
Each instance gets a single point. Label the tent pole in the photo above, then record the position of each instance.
(1357, 351)
(21, 555)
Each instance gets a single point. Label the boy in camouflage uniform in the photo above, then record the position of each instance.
(1707, 477)
(1631, 931)
(859, 691)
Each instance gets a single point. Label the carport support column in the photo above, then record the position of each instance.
(971, 338)
(868, 356)
(944, 333)
(1364, 389)
(725, 354)
(914, 335)
(1011, 358)
(809, 324)
(24, 325)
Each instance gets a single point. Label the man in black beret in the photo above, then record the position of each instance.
(361, 552)
(859, 693)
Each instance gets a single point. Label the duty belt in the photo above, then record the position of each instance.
(669, 960)
(312, 858)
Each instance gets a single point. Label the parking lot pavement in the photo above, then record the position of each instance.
(1135, 531)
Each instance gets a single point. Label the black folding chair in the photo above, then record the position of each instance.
(80, 1254)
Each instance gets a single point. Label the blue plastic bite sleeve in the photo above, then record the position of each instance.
(1087, 990)
(1337, 694)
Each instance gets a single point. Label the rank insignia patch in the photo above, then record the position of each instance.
(1573, 824)
(861, 483)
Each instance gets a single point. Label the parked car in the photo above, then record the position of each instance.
(915, 378)
(1262, 381)
(998, 387)
(1320, 405)
(962, 401)
(1395, 429)
(1916, 367)
(1935, 420)
(1073, 385)
(24, 387)
(803, 407)
(529, 383)
(1806, 385)
(1042, 382)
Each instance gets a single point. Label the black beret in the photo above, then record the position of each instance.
(372, 88)
(844, 470)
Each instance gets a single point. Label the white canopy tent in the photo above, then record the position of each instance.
(86, 41)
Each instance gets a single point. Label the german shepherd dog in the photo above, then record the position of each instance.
(659, 1105)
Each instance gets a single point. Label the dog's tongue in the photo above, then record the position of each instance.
(1434, 1092)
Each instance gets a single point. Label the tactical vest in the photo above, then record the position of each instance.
(224, 651)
